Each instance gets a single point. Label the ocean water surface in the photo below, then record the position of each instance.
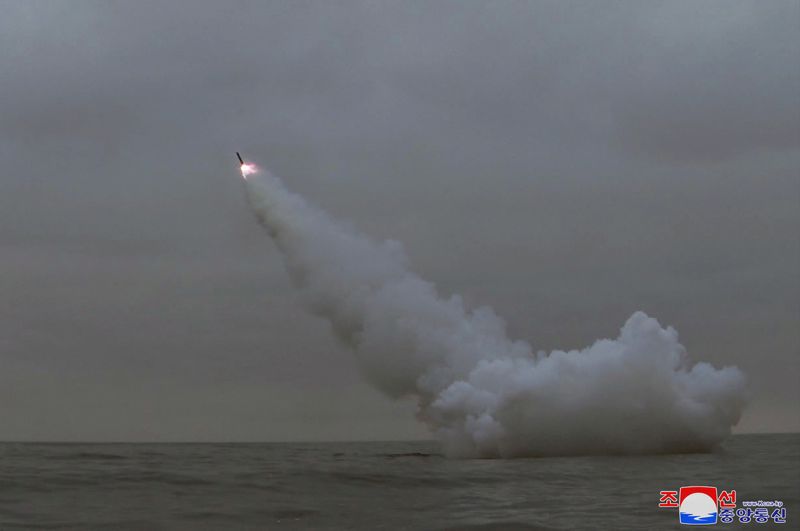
(371, 485)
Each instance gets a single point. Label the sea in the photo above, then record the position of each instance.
(374, 485)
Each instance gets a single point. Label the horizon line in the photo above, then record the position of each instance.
(318, 441)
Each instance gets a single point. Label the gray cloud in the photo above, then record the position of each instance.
(567, 163)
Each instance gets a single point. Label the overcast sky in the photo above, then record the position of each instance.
(567, 163)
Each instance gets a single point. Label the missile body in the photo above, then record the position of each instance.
(239, 157)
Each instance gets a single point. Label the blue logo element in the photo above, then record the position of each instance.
(698, 519)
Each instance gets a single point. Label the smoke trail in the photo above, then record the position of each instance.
(482, 394)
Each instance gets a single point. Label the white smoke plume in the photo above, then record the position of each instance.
(481, 393)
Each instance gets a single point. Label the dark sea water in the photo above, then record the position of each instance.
(391, 485)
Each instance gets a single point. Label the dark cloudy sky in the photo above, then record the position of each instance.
(567, 163)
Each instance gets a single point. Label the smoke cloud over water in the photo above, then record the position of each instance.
(481, 393)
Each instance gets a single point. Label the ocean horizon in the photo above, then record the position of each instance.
(369, 485)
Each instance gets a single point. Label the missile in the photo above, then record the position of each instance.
(239, 157)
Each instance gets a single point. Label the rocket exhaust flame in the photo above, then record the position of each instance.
(481, 393)
(246, 169)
